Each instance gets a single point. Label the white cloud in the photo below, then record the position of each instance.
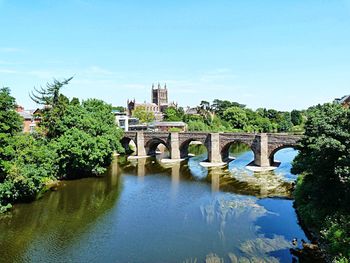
(8, 71)
(9, 49)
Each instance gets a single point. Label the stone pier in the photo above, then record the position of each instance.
(263, 145)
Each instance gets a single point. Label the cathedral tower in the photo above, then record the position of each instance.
(160, 96)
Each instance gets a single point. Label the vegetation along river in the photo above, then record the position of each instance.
(146, 211)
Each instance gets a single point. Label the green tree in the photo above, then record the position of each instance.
(284, 122)
(32, 165)
(143, 115)
(75, 101)
(173, 114)
(79, 139)
(119, 108)
(296, 117)
(236, 116)
(197, 126)
(10, 125)
(10, 121)
(54, 104)
(262, 125)
(219, 106)
(88, 138)
(323, 189)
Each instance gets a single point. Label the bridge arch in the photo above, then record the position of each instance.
(129, 145)
(277, 148)
(225, 149)
(152, 145)
(185, 145)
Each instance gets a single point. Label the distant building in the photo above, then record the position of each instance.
(191, 111)
(31, 118)
(159, 103)
(160, 97)
(128, 123)
(149, 107)
(121, 119)
(345, 101)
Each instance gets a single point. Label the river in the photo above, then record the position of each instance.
(146, 211)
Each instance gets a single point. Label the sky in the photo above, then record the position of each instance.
(286, 55)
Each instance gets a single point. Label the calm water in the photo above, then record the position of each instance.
(144, 211)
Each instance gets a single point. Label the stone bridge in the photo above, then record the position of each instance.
(263, 145)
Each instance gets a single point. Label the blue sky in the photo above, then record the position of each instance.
(275, 54)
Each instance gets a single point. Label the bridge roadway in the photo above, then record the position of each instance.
(263, 145)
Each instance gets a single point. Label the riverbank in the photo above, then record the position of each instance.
(327, 229)
(318, 253)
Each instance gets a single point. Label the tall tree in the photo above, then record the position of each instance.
(219, 106)
(10, 121)
(54, 104)
(236, 116)
(10, 125)
(296, 117)
(323, 190)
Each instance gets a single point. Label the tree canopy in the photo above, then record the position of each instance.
(75, 139)
(323, 189)
(143, 115)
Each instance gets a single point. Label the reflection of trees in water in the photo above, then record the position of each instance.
(197, 149)
(263, 184)
(238, 148)
(240, 181)
(61, 217)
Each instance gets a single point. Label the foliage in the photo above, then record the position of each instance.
(30, 164)
(284, 122)
(226, 116)
(10, 124)
(87, 138)
(197, 126)
(296, 117)
(236, 116)
(54, 104)
(174, 129)
(143, 115)
(325, 155)
(323, 191)
(10, 121)
(119, 108)
(173, 114)
(77, 139)
(219, 106)
(337, 232)
(81, 154)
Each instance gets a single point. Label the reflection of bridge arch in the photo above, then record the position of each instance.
(185, 145)
(152, 145)
(225, 149)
